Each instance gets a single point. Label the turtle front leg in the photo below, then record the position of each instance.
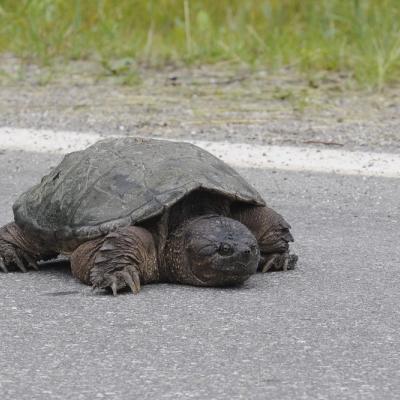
(273, 236)
(123, 258)
(17, 250)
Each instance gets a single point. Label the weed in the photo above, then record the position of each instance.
(361, 37)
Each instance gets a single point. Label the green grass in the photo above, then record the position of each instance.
(359, 37)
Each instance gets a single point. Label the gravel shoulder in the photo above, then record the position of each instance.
(220, 103)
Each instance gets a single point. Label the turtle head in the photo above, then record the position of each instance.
(219, 251)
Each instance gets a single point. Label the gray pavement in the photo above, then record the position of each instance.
(327, 330)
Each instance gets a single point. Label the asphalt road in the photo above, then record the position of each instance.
(327, 330)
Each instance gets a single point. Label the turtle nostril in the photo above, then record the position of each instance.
(247, 251)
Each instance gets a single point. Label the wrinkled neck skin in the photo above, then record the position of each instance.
(210, 250)
(176, 260)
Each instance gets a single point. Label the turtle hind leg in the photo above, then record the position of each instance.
(17, 251)
(121, 259)
(273, 236)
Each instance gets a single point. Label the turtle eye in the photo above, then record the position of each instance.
(225, 249)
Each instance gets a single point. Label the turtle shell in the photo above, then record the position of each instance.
(119, 182)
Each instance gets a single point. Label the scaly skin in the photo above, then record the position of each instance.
(123, 258)
(127, 257)
(206, 250)
(211, 250)
(19, 251)
(272, 233)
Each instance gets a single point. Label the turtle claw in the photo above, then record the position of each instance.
(114, 288)
(3, 265)
(292, 261)
(31, 262)
(16, 258)
(269, 263)
(128, 276)
(19, 262)
(279, 262)
(132, 281)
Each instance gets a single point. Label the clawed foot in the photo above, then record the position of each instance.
(14, 258)
(116, 280)
(278, 262)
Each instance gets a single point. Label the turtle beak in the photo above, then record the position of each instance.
(243, 262)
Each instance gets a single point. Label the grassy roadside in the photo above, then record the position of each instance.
(358, 37)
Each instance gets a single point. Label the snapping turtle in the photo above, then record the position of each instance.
(130, 211)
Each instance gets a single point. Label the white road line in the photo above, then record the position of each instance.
(237, 154)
